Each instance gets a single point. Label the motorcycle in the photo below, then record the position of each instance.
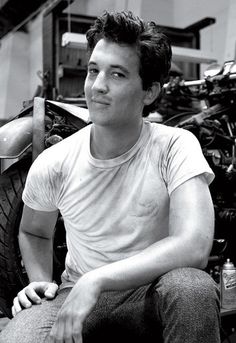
(215, 127)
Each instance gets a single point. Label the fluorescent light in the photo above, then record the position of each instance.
(74, 40)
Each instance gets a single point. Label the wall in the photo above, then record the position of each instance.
(218, 38)
(20, 59)
(95, 8)
(160, 11)
(35, 55)
(230, 37)
(5, 49)
(14, 71)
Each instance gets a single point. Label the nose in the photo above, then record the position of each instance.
(100, 84)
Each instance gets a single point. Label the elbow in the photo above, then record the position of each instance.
(201, 262)
(199, 249)
(200, 257)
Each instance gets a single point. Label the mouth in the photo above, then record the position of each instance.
(100, 102)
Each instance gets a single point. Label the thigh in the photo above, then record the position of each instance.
(127, 316)
(33, 325)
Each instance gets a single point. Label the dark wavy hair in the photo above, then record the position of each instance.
(153, 46)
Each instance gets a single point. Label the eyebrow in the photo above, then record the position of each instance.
(113, 66)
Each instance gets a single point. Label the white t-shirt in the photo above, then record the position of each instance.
(114, 208)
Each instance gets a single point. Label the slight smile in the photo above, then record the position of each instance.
(100, 101)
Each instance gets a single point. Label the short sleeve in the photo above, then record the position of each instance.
(184, 159)
(41, 187)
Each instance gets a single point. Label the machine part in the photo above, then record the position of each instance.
(38, 126)
(15, 137)
(12, 274)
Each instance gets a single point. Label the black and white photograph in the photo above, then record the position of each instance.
(117, 171)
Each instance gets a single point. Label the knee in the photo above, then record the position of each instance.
(189, 286)
(12, 333)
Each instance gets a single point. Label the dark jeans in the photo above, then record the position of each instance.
(181, 307)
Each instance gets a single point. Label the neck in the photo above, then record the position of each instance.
(106, 143)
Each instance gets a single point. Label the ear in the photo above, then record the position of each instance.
(152, 93)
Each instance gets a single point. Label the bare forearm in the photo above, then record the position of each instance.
(37, 256)
(145, 267)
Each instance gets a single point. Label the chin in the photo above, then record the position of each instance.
(99, 119)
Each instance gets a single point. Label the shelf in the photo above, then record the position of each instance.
(76, 40)
(192, 55)
(68, 70)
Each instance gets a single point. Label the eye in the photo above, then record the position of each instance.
(92, 71)
(118, 75)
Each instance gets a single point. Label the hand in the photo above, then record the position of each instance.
(78, 305)
(31, 295)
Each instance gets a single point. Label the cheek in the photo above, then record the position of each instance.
(87, 87)
(134, 98)
(130, 95)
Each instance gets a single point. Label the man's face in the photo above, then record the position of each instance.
(113, 87)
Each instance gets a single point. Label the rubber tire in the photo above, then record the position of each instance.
(13, 276)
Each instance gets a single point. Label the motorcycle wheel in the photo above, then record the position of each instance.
(13, 276)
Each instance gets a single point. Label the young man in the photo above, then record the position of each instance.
(137, 210)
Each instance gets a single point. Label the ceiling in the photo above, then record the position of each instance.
(14, 12)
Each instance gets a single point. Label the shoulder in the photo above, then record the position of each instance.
(165, 132)
(168, 138)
